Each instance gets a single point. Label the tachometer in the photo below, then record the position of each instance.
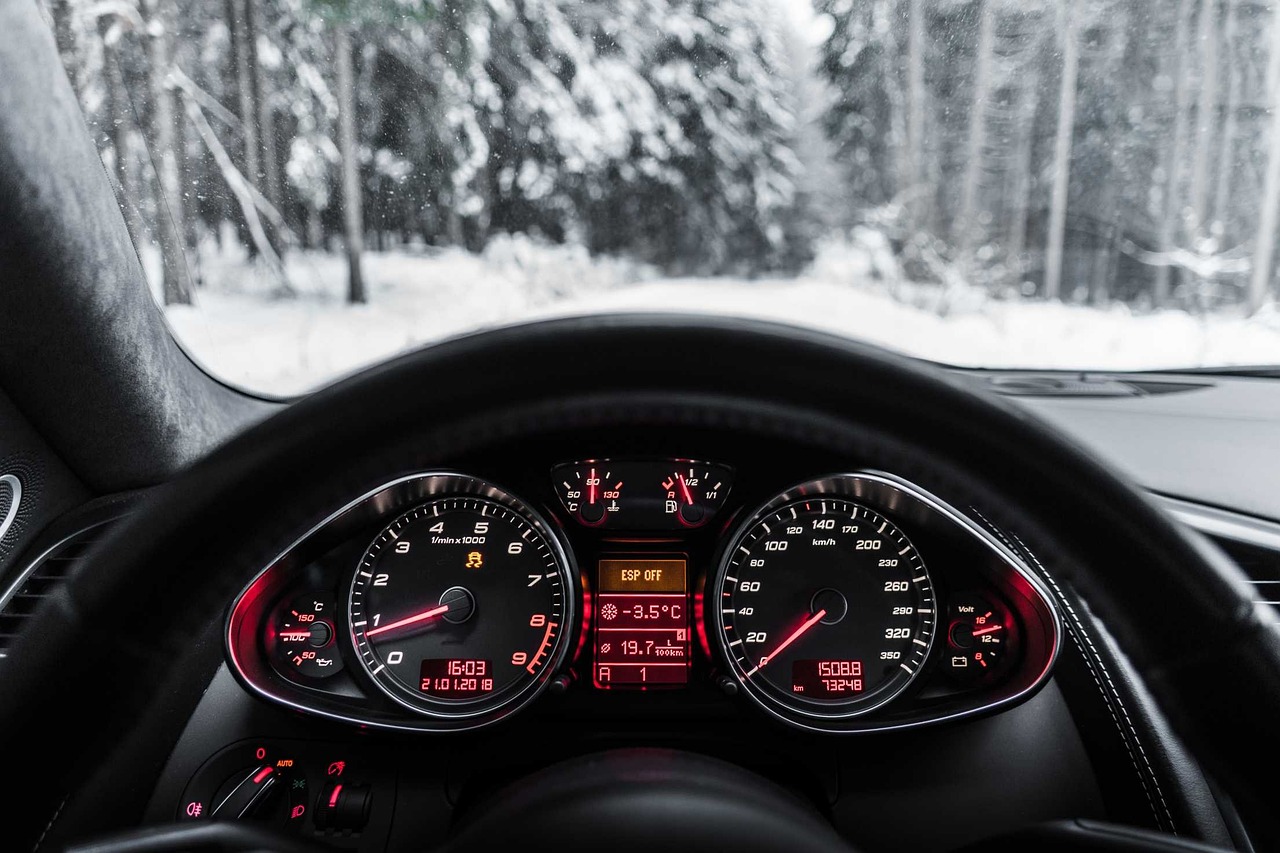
(463, 605)
(826, 610)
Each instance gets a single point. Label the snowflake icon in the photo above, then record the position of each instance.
(609, 611)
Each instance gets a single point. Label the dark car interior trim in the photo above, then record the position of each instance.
(465, 353)
(98, 398)
(66, 258)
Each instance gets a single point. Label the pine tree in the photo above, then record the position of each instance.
(176, 285)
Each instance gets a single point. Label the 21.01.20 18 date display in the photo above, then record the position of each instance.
(826, 679)
(456, 678)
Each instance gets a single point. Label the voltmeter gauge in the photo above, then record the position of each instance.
(982, 637)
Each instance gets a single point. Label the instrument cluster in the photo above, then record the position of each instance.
(841, 602)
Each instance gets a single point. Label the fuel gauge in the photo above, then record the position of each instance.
(694, 493)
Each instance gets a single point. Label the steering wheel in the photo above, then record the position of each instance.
(89, 684)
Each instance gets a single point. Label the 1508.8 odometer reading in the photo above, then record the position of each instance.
(826, 609)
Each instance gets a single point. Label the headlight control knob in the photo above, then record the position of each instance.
(343, 806)
(243, 793)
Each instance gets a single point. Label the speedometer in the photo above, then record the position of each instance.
(462, 606)
(826, 610)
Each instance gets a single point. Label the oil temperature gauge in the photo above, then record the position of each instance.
(302, 641)
(642, 494)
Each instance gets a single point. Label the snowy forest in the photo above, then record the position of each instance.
(1091, 152)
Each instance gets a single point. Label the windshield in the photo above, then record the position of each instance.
(314, 185)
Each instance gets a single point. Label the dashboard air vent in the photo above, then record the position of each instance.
(21, 597)
(1254, 543)
(1262, 565)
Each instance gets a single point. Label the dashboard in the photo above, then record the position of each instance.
(618, 596)
(441, 601)
(288, 725)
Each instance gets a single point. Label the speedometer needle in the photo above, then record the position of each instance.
(409, 620)
(795, 635)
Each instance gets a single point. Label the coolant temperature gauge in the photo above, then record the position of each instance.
(590, 491)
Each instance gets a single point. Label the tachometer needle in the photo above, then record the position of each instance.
(409, 620)
(795, 635)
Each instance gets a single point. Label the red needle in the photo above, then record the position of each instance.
(591, 487)
(410, 620)
(987, 630)
(795, 635)
(684, 487)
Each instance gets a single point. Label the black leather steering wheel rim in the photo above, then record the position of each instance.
(1109, 542)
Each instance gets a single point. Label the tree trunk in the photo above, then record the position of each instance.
(966, 228)
(65, 38)
(1062, 155)
(1176, 151)
(1206, 115)
(1226, 161)
(1020, 184)
(242, 56)
(270, 162)
(315, 230)
(1103, 270)
(897, 108)
(186, 221)
(119, 115)
(915, 111)
(1265, 244)
(352, 215)
(175, 278)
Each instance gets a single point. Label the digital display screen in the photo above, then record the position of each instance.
(826, 679)
(657, 575)
(642, 623)
(455, 678)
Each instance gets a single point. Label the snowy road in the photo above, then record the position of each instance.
(286, 346)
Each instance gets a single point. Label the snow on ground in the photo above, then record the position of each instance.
(244, 331)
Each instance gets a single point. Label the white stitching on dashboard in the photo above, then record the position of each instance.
(1111, 697)
(1119, 702)
(57, 814)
